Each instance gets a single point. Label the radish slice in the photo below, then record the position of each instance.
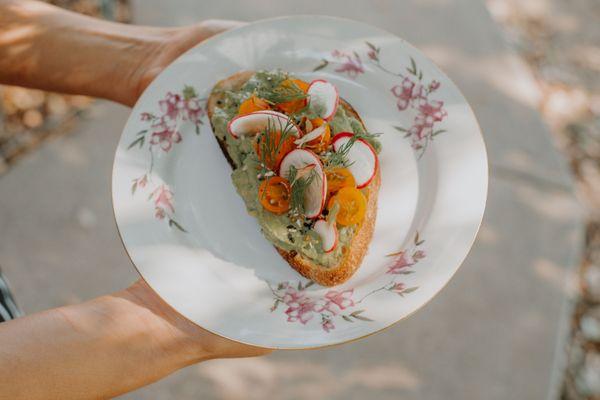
(328, 233)
(362, 156)
(323, 98)
(315, 133)
(253, 123)
(314, 197)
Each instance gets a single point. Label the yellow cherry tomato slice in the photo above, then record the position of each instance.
(352, 204)
(274, 194)
(290, 107)
(338, 178)
(253, 104)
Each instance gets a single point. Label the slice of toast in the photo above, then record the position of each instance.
(352, 258)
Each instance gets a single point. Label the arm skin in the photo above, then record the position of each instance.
(115, 343)
(45, 47)
(102, 348)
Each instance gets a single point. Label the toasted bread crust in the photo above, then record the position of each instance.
(357, 249)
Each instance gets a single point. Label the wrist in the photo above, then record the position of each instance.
(178, 339)
(156, 51)
(139, 53)
(186, 341)
(163, 45)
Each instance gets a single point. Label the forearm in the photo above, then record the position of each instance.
(98, 349)
(45, 47)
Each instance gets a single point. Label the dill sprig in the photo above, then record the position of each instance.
(283, 93)
(339, 158)
(368, 135)
(299, 185)
(270, 142)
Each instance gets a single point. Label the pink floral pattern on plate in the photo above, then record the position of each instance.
(411, 93)
(161, 135)
(305, 306)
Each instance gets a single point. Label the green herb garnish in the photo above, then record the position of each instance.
(271, 140)
(339, 158)
(282, 93)
(368, 136)
(299, 185)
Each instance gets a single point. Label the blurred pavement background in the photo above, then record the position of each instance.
(497, 331)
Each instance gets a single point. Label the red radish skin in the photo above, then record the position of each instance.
(324, 229)
(274, 114)
(304, 154)
(342, 135)
(329, 116)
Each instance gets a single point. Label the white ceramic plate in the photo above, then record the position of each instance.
(187, 231)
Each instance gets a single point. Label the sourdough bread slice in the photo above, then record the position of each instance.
(357, 248)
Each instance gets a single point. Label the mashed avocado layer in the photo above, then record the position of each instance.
(279, 229)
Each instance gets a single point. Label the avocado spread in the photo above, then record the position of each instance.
(284, 232)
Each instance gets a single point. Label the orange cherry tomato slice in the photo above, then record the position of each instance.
(274, 194)
(321, 143)
(272, 161)
(353, 206)
(252, 104)
(290, 107)
(317, 122)
(338, 178)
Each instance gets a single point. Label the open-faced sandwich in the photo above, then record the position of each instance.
(305, 165)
